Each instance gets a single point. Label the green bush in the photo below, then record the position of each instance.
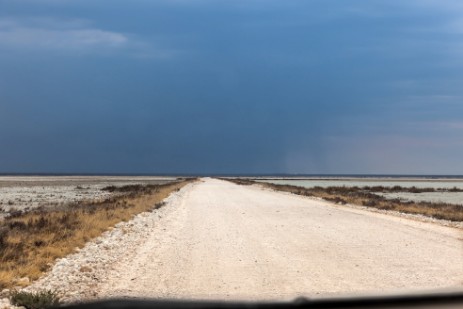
(35, 300)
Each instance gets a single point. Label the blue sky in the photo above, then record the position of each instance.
(246, 86)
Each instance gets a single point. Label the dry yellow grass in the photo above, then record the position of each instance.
(30, 242)
(363, 197)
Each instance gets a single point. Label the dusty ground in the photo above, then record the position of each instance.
(433, 197)
(28, 192)
(29, 181)
(215, 239)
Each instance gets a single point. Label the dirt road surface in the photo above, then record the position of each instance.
(225, 241)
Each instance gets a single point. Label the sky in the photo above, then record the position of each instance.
(220, 87)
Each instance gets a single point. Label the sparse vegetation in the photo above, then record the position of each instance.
(31, 241)
(241, 181)
(128, 188)
(3, 235)
(412, 189)
(364, 196)
(13, 212)
(35, 300)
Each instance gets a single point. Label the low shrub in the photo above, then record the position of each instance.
(240, 181)
(336, 200)
(35, 300)
(126, 188)
(370, 203)
(13, 213)
(3, 237)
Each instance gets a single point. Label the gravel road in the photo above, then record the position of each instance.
(219, 240)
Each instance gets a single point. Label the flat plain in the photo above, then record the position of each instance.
(29, 192)
(220, 240)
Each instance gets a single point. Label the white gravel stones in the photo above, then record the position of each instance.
(4, 303)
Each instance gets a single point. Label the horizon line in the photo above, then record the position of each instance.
(232, 174)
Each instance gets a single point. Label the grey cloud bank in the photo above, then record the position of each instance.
(231, 87)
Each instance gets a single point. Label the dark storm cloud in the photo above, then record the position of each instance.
(231, 87)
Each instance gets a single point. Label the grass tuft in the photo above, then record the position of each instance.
(35, 300)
